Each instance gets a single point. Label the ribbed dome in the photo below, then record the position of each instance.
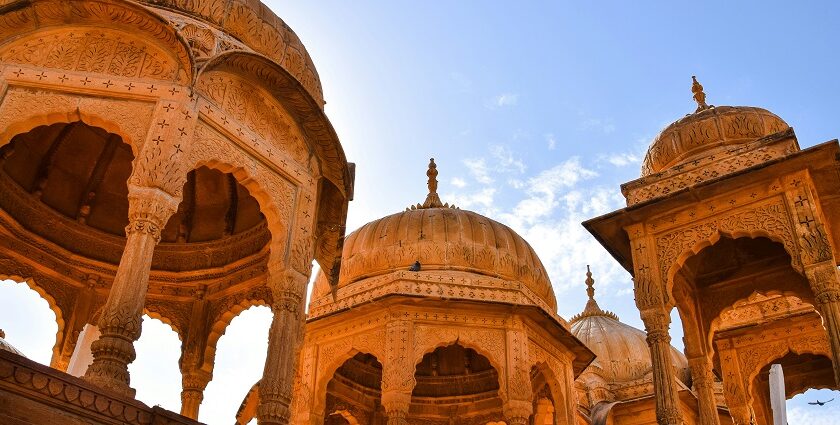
(707, 130)
(622, 350)
(440, 237)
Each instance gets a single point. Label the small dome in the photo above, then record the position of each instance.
(622, 350)
(707, 130)
(5, 346)
(440, 237)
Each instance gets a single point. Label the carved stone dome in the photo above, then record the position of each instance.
(707, 130)
(441, 238)
(5, 346)
(622, 350)
(214, 26)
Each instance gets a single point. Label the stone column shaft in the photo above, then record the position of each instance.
(824, 283)
(657, 323)
(120, 322)
(284, 340)
(703, 381)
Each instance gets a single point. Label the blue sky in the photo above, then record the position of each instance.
(535, 113)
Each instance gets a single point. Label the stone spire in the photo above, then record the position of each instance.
(592, 309)
(432, 199)
(699, 95)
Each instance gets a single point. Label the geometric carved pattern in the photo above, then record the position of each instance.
(92, 50)
(246, 104)
(711, 167)
(768, 219)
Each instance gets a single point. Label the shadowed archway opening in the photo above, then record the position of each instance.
(354, 392)
(801, 372)
(456, 382)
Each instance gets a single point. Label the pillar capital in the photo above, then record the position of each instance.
(517, 412)
(288, 288)
(657, 325)
(193, 384)
(149, 209)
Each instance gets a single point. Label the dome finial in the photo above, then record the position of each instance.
(592, 308)
(2, 334)
(699, 95)
(590, 284)
(432, 199)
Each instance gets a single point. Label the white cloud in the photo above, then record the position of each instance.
(551, 141)
(503, 100)
(483, 198)
(458, 182)
(507, 162)
(478, 170)
(623, 159)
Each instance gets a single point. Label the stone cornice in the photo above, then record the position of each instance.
(444, 284)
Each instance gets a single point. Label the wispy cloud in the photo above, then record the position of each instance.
(458, 182)
(503, 100)
(482, 200)
(550, 141)
(623, 159)
(477, 168)
(506, 160)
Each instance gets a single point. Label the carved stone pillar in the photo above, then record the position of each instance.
(519, 405)
(733, 389)
(120, 324)
(398, 369)
(194, 378)
(517, 412)
(657, 323)
(396, 405)
(289, 292)
(703, 381)
(193, 384)
(824, 282)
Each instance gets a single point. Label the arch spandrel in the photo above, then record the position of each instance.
(769, 220)
(490, 343)
(255, 109)
(24, 109)
(275, 195)
(309, 118)
(99, 42)
(332, 355)
(221, 313)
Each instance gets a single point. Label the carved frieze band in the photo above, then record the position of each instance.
(705, 169)
(769, 219)
(443, 285)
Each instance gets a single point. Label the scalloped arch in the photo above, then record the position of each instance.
(59, 317)
(219, 326)
(33, 16)
(701, 242)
